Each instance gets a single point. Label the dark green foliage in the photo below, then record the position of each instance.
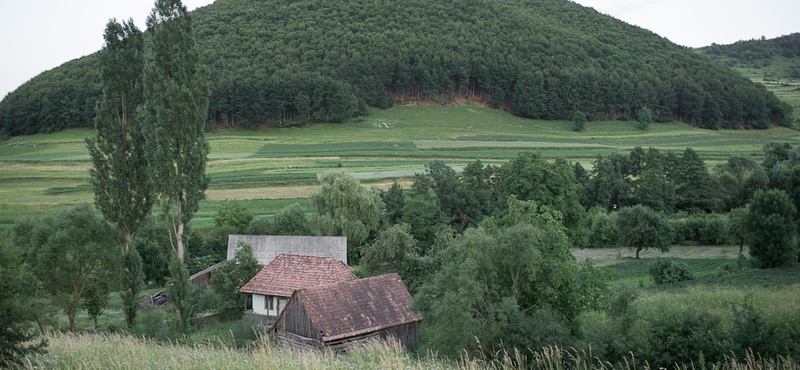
(18, 333)
(642, 228)
(152, 243)
(132, 282)
(394, 201)
(235, 214)
(120, 176)
(667, 271)
(422, 214)
(174, 115)
(228, 279)
(752, 331)
(68, 252)
(694, 190)
(292, 220)
(644, 118)
(96, 297)
(680, 336)
(579, 121)
(700, 228)
(285, 64)
(509, 283)
(179, 291)
(344, 207)
(603, 232)
(770, 228)
(389, 250)
(528, 176)
(260, 226)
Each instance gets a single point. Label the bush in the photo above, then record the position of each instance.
(604, 232)
(155, 324)
(665, 271)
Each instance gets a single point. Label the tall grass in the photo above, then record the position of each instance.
(116, 351)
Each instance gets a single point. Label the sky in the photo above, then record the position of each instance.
(38, 35)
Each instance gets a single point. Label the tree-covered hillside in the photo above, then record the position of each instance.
(757, 53)
(285, 62)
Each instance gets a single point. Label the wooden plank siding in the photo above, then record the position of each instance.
(295, 319)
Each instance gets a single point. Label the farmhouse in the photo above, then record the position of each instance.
(340, 315)
(275, 283)
(267, 247)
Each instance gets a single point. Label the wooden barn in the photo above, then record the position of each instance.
(275, 283)
(340, 315)
(267, 247)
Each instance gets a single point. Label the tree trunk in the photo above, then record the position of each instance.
(637, 252)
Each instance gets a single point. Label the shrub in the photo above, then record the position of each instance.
(665, 271)
(604, 232)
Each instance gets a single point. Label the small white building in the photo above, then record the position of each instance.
(278, 280)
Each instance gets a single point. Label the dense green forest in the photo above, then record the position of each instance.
(290, 62)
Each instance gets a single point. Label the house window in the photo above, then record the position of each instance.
(268, 304)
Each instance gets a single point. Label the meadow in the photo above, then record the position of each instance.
(270, 168)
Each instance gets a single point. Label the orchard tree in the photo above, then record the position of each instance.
(770, 229)
(119, 175)
(642, 228)
(176, 105)
(344, 207)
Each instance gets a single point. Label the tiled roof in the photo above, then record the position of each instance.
(358, 307)
(289, 272)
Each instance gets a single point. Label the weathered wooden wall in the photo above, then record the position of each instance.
(295, 320)
(406, 334)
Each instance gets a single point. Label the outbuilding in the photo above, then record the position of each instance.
(341, 315)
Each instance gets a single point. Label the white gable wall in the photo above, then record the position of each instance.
(260, 306)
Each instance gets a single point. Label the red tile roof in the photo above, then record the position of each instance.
(289, 272)
(358, 307)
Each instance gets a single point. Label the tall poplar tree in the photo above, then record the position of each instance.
(176, 107)
(119, 175)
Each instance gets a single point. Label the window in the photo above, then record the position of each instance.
(268, 304)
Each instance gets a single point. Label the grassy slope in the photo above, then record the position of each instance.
(275, 167)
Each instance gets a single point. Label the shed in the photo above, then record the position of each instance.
(339, 315)
(204, 277)
(275, 283)
(267, 247)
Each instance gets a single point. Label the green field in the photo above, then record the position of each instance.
(274, 167)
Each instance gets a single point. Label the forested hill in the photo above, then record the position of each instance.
(757, 53)
(284, 62)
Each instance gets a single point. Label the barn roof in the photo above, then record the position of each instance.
(358, 307)
(289, 272)
(267, 247)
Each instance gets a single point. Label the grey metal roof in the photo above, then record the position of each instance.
(267, 247)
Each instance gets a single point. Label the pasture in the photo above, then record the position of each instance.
(271, 168)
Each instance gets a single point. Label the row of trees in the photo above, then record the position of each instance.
(278, 63)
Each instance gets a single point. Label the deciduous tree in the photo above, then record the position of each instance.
(771, 231)
(344, 207)
(119, 174)
(642, 228)
(176, 106)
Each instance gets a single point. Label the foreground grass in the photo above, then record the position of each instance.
(115, 351)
